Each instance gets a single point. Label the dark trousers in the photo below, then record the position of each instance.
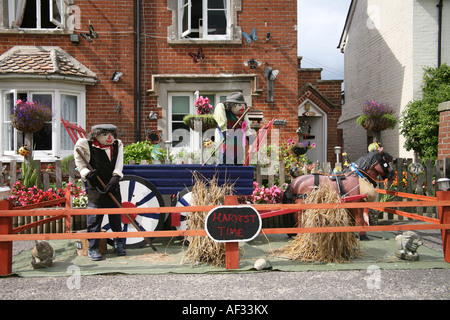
(94, 224)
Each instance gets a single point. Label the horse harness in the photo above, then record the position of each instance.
(367, 161)
(337, 178)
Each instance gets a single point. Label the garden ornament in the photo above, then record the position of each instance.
(24, 150)
(42, 255)
(407, 245)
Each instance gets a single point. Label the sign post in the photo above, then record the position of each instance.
(232, 224)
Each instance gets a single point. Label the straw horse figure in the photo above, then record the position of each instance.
(370, 166)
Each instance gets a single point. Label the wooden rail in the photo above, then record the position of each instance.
(7, 236)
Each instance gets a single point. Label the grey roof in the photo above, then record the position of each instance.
(42, 61)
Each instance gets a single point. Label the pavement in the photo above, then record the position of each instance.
(254, 288)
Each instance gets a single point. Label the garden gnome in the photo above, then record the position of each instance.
(104, 152)
(226, 115)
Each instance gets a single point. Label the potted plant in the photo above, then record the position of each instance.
(204, 114)
(377, 116)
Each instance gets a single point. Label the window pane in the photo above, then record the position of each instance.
(55, 11)
(43, 138)
(29, 16)
(69, 111)
(8, 132)
(9, 104)
(185, 9)
(217, 22)
(180, 108)
(216, 4)
(180, 105)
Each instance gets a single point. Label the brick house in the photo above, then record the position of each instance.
(67, 52)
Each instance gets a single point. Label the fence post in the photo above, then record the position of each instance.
(444, 218)
(231, 248)
(5, 246)
(68, 205)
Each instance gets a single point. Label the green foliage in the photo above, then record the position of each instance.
(65, 163)
(207, 119)
(29, 175)
(390, 117)
(419, 123)
(143, 150)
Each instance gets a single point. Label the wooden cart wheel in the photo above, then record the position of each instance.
(138, 192)
(183, 199)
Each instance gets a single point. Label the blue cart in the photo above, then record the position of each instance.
(145, 185)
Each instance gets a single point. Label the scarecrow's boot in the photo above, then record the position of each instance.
(94, 254)
(118, 248)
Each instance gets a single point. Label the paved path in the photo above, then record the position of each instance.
(429, 284)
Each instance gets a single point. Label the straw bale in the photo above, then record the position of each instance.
(206, 192)
(323, 247)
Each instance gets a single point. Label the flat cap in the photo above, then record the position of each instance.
(105, 126)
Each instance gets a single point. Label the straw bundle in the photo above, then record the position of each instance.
(202, 249)
(323, 247)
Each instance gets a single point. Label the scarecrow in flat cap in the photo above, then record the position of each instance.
(104, 152)
(226, 115)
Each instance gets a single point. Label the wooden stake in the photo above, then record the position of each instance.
(5, 247)
(231, 248)
(444, 218)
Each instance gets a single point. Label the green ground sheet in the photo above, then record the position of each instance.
(170, 258)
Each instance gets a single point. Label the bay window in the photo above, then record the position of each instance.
(52, 141)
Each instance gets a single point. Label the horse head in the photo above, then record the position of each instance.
(377, 162)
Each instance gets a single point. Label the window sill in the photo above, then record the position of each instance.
(19, 158)
(205, 41)
(37, 31)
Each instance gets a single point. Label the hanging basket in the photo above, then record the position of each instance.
(208, 122)
(298, 151)
(376, 124)
(31, 126)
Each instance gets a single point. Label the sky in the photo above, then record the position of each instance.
(320, 25)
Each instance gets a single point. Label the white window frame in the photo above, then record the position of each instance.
(58, 24)
(170, 113)
(42, 88)
(194, 138)
(61, 10)
(181, 12)
(202, 35)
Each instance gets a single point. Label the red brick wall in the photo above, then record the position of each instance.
(279, 53)
(113, 20)
(444, 131)
(114, 49)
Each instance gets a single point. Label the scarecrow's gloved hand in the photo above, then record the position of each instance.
(113, 184)
(91, 176)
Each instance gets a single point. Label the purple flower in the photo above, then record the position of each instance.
(374, 109)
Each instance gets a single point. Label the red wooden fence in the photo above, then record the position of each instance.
(442, 201)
